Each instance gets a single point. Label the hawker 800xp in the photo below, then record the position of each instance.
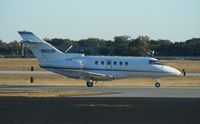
(94, 68)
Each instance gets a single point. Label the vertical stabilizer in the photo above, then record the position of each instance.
(42, 50)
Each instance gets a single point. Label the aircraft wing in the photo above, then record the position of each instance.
(96, 76)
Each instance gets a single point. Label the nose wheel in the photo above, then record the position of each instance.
(90, 84)
(157, 84)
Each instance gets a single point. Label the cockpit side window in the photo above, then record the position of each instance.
(154, 62)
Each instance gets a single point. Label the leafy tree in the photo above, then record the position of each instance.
(88, 52)
(3, 47)
(61, 44)
(138, 47)
(121, 45)
(192, 46)
(161, 46)
(95, 42)
(104, 51)
(14, 48)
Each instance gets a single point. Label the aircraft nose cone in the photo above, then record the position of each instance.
(172, 71)
(177, 73)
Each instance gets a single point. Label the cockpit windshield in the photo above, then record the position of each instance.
(154, 62)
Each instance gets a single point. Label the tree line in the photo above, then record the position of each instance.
(120, 46)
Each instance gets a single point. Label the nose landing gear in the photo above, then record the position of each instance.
(90, 83)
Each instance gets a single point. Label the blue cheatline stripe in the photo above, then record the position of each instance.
(89, 69)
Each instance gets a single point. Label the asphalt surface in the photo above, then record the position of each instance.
(109, 110)
(120, 105)
(121, 91)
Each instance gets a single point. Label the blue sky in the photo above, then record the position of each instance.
(176, 20)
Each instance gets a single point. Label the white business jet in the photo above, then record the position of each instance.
(94, 68)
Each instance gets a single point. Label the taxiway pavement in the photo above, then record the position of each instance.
(76, 110)
(120, 105)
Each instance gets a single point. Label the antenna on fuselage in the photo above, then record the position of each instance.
(68, 49)
(150, 53)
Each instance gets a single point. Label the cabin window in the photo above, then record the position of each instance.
(108, 63)
(102, 62)
(96, 62)
(115, 63)
(126, 63)
(120, 63)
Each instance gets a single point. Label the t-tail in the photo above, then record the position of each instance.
(42, 50)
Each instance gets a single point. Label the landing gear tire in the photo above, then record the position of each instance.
(89, 84)
(157, 84)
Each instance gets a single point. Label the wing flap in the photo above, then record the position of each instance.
(96, 76)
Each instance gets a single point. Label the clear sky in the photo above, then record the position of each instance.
(176, 20)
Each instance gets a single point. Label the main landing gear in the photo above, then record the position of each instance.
(157, 84)
(90, 83)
